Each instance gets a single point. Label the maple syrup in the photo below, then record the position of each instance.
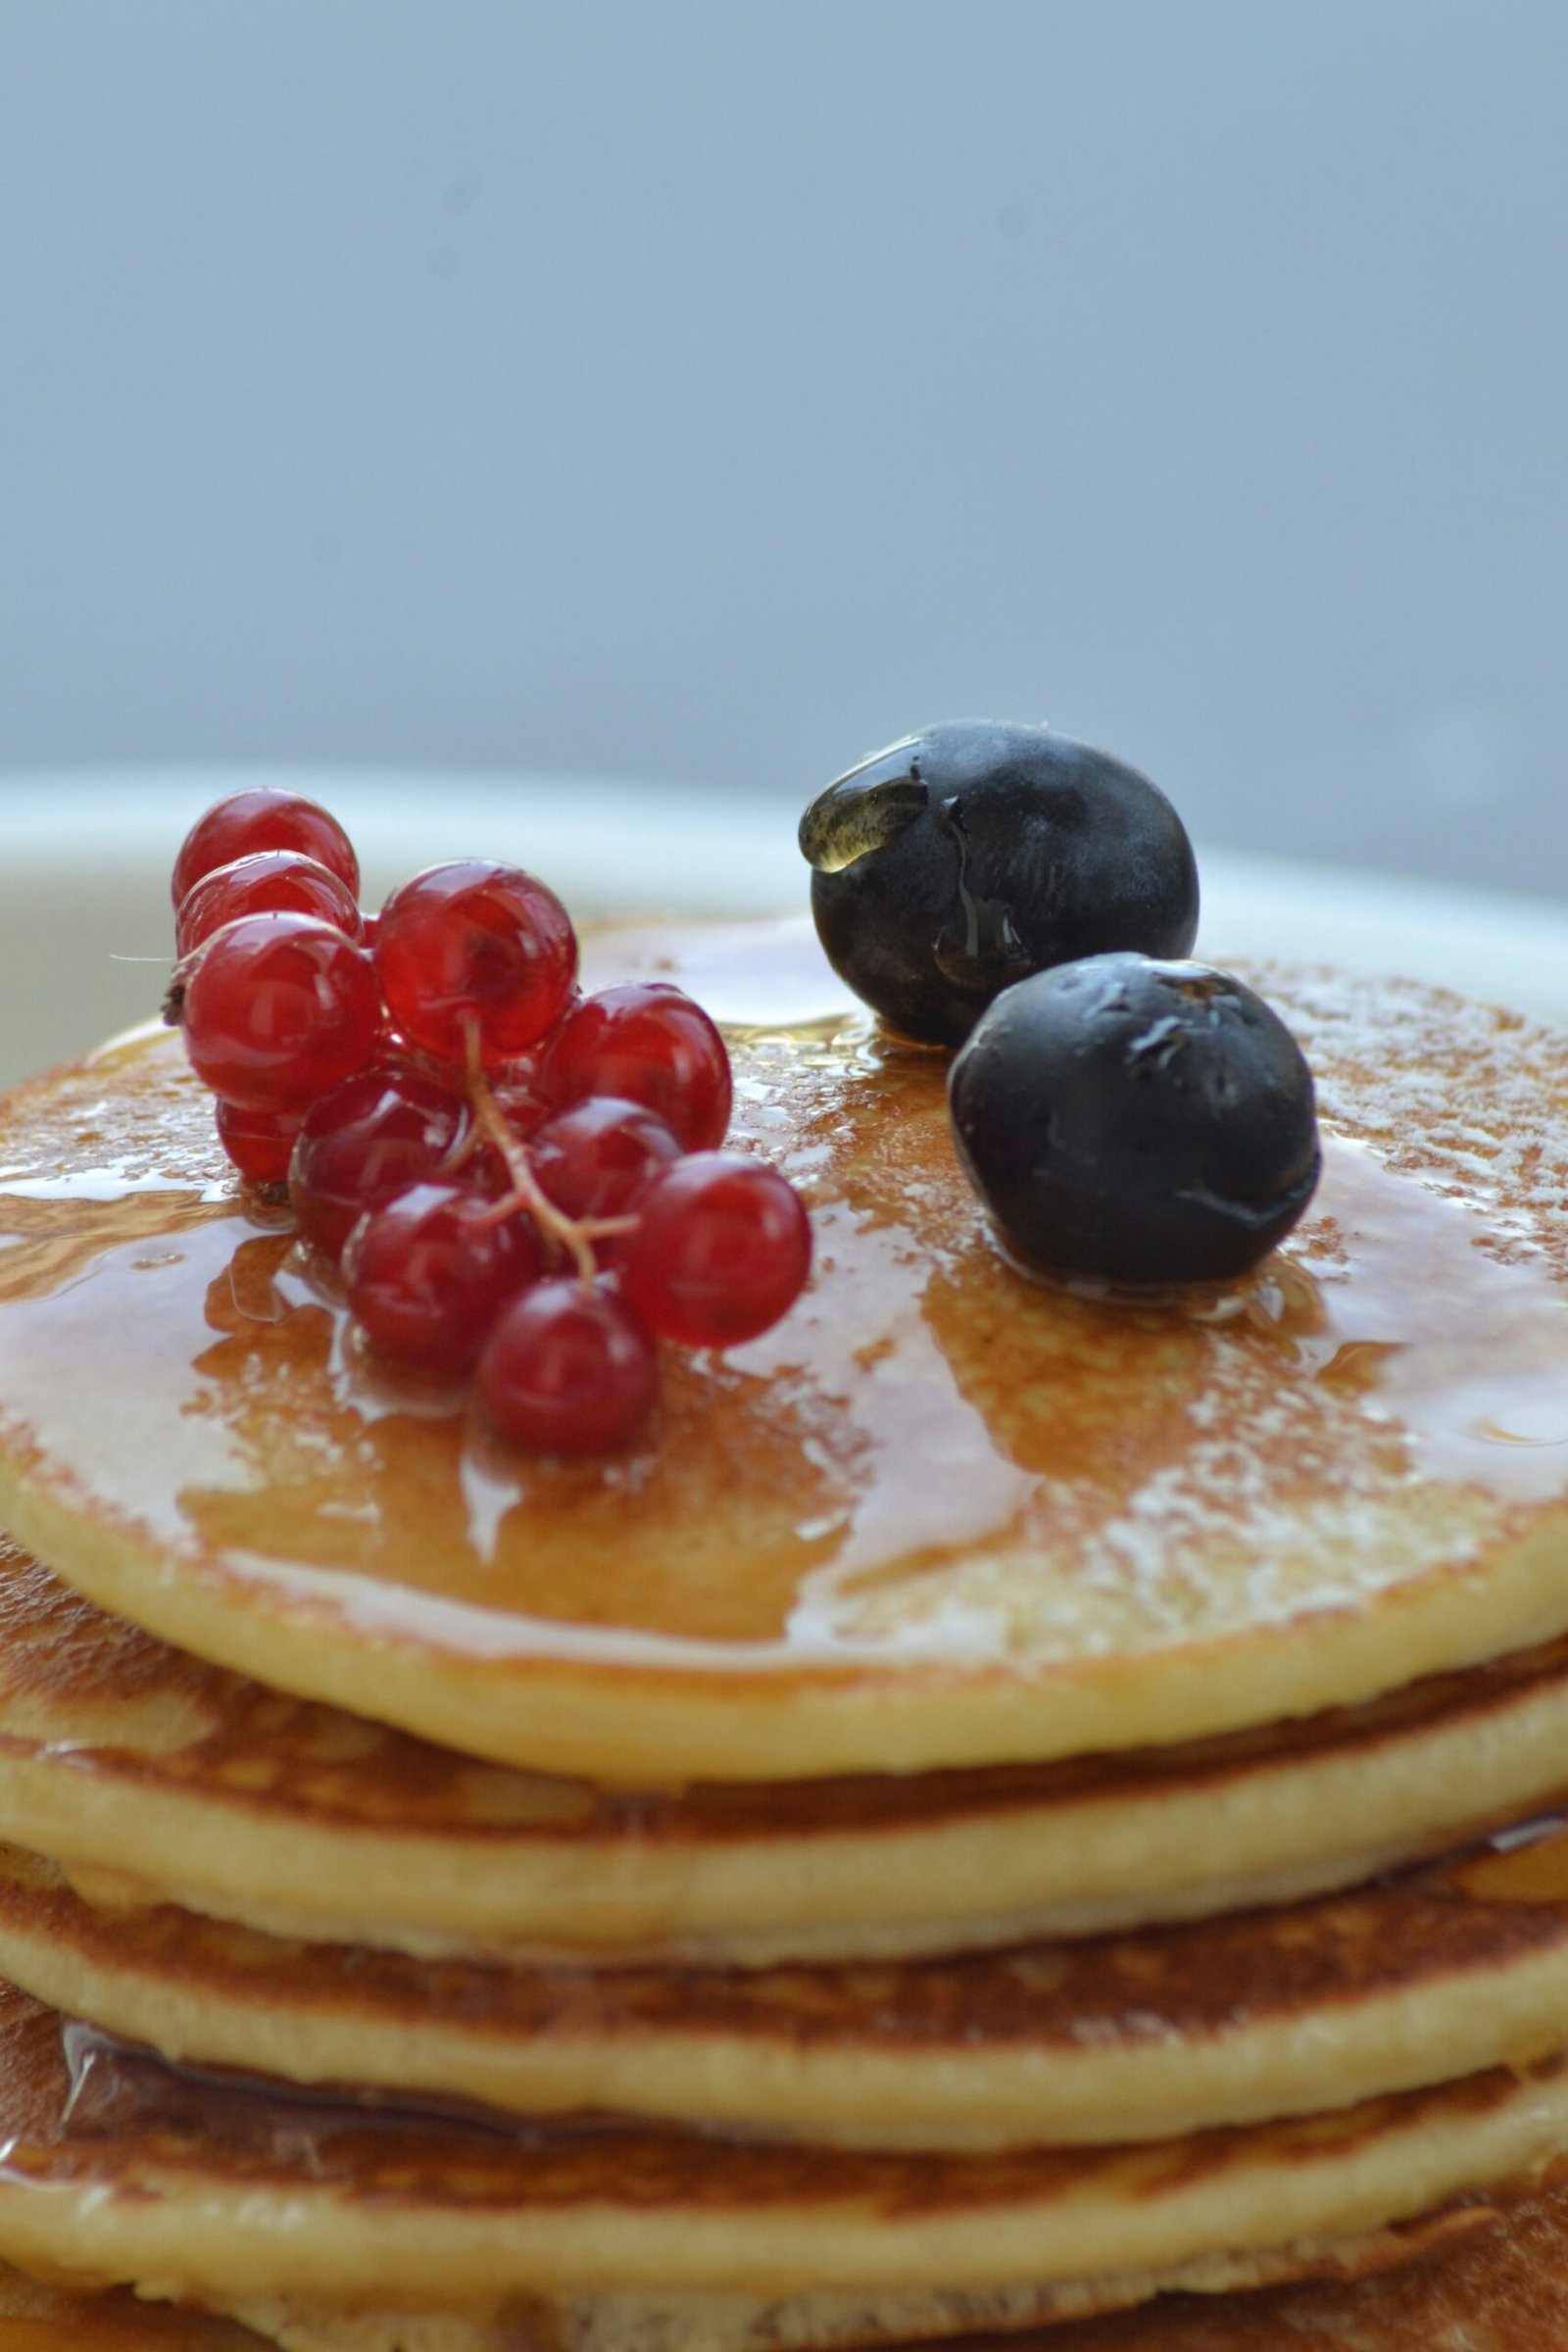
(931, 1463)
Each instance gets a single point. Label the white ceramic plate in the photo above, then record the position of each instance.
(84, 918)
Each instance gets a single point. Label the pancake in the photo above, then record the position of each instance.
(711, 2322)
(155, 1776)
(1358, 1444)
(1478, 2280)
(117, 2168)
(66, 2318)
(1444, 1971)
(1475, 2281)
(941, 1516)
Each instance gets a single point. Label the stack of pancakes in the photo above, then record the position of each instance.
(1014, 1806)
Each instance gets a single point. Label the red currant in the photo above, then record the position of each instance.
(722, 1249)
(598, 1158)
(365, 1141)
(264, 818)
(568, 1370)
(333, 1062)
(645, 1042)
(475, 945)
(257, 1142)
(427, 1274)
(278, 1007)
(267, 882)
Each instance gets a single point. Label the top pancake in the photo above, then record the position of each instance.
(941, 1515)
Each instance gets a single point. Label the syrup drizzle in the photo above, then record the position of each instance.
(1527, 1863)
(923, 1415)
(1467, 1360)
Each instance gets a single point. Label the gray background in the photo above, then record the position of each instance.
(711, 389)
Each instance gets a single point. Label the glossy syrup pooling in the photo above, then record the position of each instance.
(1527, 1864)
(930, 1459)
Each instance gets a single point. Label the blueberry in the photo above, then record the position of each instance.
(960, 859)
(1139, 1121)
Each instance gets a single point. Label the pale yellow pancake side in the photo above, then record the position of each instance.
(1477, 2279)
(1450, 1968)
(1015, 2318)
(120, 2169)
(153, 1775)
(941, 1516)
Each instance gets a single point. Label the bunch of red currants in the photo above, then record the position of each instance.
(517, 1179)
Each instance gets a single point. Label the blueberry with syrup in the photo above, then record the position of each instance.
(1136, 1121)
(959, 860)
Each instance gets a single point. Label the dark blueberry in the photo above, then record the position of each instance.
(1138, 1121)
(960, 860)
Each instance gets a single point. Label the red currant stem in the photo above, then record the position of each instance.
(574, 1238)
(173, 1005)
(461, 1151)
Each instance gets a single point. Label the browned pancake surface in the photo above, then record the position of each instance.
(39, 2318)
(82, 2116)
(1498, 2287)
(83, 2112)
(1476, 1915)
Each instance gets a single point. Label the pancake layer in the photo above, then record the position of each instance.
(115, 2167)
(941, 1516)
(1449, 1970)
(836, 2322)
(154, 1775)
(1478, 2280)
